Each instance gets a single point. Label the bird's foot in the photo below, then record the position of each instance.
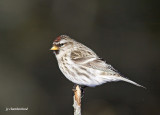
(82, 89)
(74, 87)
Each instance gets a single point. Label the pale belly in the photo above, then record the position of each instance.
(85, 76)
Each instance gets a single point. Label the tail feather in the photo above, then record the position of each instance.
(130, 81)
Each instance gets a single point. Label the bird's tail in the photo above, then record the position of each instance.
(130, 81)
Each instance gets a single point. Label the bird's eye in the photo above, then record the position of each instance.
(61, 44)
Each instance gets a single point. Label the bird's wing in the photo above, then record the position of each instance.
(84, 59)
(102, 66)
(79, 54)
(98, 64)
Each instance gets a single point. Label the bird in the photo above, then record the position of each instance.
(83, 66)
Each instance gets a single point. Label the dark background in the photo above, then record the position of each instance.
(125, 33)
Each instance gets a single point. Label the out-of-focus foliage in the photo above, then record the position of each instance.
(125, 33)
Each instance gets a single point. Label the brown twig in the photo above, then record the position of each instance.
(77, 100)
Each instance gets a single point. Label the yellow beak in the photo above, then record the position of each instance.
(55, 48)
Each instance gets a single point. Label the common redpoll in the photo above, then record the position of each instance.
(82, 66)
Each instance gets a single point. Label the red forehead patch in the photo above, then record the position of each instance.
(57, 39)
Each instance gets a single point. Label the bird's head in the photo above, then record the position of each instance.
(62, 44)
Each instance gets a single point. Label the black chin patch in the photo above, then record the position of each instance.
(56, 51)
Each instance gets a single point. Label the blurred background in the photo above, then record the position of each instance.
(125, 33)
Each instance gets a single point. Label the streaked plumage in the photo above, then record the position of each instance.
(82, 66)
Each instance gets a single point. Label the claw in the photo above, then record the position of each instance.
(82, 89)
(74, 87)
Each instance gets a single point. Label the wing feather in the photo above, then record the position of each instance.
(87, 59)
(93, 61)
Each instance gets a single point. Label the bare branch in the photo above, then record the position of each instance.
(77, 101)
